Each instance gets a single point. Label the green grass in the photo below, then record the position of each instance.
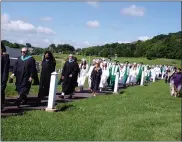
(140, 113)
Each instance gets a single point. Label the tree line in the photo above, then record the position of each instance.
(160, 46)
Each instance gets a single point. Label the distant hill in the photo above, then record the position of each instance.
(160, 46)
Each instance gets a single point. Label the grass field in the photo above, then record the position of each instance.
(139, 113)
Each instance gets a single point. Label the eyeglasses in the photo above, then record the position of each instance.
(23, 51)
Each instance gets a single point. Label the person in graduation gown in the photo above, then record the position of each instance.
(48, 66)
(148, 77)
(158, 72)
(166, 74)
(83, 74)
(24, 71)
(112, 73)
(104, 77)
(153, 73)
(126, 73)
(90, 72)
(68, 76)
(5, 62)
(121, 74)
(75, 77)
(128, 81)
(134, 74)
(139, 76)
(96, 78)
(176, 83)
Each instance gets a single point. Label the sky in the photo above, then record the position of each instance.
(84, 24)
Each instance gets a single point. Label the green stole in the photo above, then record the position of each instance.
(139, 73)
(112, 76)
(25, 58)
(125, 75)
(148, 76)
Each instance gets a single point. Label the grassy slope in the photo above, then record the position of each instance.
(140, 113)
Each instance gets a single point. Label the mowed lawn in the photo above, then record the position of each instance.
(138, 113)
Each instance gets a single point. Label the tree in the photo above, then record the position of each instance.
(160, 46)
(52, 48)
(16, 45)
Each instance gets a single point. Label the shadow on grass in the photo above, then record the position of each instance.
(121, 92)
(64, 107)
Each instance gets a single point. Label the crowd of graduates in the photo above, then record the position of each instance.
(102, 74)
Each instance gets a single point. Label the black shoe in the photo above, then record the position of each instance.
(61, 96)
(24, 102)
(17, 103)
(70, 97)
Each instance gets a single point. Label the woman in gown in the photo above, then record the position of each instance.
(95, 78)
(104, 77)
(83, 74)
(48, 66)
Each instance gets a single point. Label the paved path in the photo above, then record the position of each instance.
(10, 109)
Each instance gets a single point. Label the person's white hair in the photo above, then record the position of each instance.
(24, 49)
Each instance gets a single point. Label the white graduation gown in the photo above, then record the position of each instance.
(104, 77)
(89, 75)
(82, 76)
(134, 73)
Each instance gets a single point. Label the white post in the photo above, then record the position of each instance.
(52, 92)
(116, 83)
(142, 79)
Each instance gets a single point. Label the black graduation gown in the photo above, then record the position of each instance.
(23, 70)
(47, 68)
(68, 84)
(5, 62)
(95, 79)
